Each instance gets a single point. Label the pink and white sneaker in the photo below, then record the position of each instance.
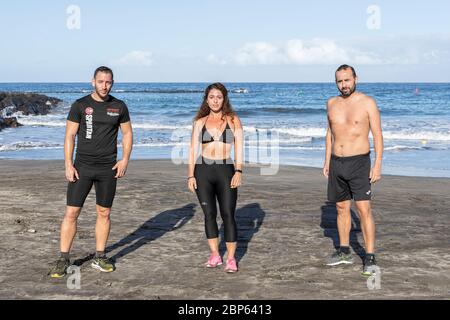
(214, 261)
(231, 266)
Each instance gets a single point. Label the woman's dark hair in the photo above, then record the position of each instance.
(227, 109)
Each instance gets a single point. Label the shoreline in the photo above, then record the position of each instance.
(246, 165)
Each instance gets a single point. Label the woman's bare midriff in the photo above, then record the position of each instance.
(216, 150)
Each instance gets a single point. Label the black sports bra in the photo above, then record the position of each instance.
(207, 138)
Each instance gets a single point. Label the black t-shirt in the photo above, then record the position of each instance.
(99, 126)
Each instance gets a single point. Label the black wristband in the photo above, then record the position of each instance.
(238, 170)
(190, 177)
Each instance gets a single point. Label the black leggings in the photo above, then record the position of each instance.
(213, 180)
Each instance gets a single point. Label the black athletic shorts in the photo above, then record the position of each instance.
(349, 178)
(102, 177)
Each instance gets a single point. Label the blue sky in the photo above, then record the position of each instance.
(230, 41)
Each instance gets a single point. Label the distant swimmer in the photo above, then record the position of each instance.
(417, 91)
(95, 120)
(347, 163)
(212, 174)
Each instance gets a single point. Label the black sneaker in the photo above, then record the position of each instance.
(60, 268)
(338, 257)
(369, 266)
(103, 264)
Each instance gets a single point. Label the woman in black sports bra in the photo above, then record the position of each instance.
(213, 175)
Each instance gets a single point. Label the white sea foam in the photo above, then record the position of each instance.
(288, 133)
(27, 145)
(419, 135)
(158, 126)
(160, 144)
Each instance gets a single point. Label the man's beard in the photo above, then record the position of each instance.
(348, 93)
(100, 95)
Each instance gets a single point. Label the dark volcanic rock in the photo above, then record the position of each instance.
(27, 103)
(8, 123)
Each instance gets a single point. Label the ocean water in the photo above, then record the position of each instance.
(284, 123)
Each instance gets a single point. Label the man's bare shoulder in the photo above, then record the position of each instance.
(332, 101)
(371, 105)
(365, 99)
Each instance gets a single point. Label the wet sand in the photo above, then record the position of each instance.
(286, 230)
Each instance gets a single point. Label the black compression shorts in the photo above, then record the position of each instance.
(103, 178)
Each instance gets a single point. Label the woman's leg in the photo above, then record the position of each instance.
(207, 198)
(227, 198)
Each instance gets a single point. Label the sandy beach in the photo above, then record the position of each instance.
(286, 230)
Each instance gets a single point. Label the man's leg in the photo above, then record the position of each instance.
(105, 190)
(368, 229)
(69, 228)
(367, 225)
(68, 231)
(77, 193)
(344, 222)
(342, 254)
(102, 228)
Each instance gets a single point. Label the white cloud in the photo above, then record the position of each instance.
(259, 53)
(299, 52)
(135, 58)
(385, 50)
(319, 51)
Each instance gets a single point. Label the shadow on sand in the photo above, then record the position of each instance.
(150, 230)
(329, 225)
(249, 219)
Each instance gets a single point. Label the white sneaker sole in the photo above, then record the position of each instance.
(213, 266)
(230, 271)
(338, 263)
(96, 266)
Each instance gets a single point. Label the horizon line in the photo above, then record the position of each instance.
(249, 82)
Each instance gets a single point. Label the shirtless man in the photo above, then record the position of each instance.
(347, 163)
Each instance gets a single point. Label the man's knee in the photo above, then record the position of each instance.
(103, 212)
(364, 210)
(364, 213)
(72, 213)
(342, 207)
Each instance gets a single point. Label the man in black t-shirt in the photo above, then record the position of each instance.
(95, 120)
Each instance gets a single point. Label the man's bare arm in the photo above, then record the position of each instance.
(127, 145)
(375, 127)
(69, 146)
(328, 146)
